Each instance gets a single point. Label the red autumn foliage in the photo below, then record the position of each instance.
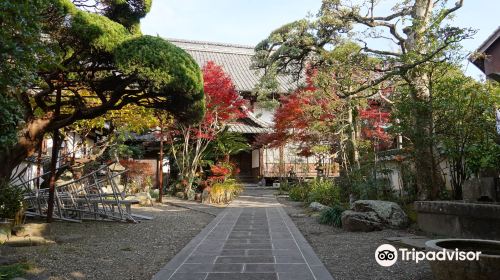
(223, 103)
(138, 171)
(375, 120)
(136, 168)
(293, 119)
(218, 170)
(219, 173)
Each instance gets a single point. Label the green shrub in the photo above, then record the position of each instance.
(285, 186)
(225, 192)
(11, 200)
(331, 216)
(155, 194)
(300, 192)
(364, 185)
(324, 191)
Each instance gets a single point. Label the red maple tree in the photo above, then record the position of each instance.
(304, 111)
(223, 102)
(375, 120)
(223, 105)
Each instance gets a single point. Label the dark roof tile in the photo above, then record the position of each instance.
(236, 61)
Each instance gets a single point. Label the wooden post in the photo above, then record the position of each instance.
(160, 179)
(159, 169)
(261, 162)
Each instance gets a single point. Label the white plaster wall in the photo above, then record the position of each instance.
(264, 114)
(255, 158)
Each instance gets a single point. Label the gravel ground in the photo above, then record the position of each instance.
(112, 250)
(350, 255)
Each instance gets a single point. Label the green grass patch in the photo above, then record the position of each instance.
(13, 270)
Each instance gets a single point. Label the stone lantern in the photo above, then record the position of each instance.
(320, 170)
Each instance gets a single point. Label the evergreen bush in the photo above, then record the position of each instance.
(324, 191)
(331, 216)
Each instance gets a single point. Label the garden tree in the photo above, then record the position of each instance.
(322, 112)
(121, 123)
(189, 142)
(464, 122)
(98, 62)
(419, 35)
(19, 36)
(375, 119)
(321, 122)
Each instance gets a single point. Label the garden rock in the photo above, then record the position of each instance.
(298, 215)
(205, 196)
(28, 241)
(360, 221)
(316, 206)
(144, 199)
(19, 230)
(197, 197)
(390, 213)
(180, 195)
(190, 195)
(5, 231)
(32, 229)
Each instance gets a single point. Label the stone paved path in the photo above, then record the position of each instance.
(251, 239)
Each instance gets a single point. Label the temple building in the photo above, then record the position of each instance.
(260, 162)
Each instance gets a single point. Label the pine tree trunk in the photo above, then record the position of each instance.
(26, 146)
(56, 144)
(53, 172)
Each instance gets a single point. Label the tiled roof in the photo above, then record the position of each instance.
(235, 59)
(250, 124)
(247, 129)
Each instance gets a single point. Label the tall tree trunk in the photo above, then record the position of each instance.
(53, 173)
(423, 155)
(428, 179)
(354, 152)
(56, 143)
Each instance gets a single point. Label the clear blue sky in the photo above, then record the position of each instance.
(249, 21)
